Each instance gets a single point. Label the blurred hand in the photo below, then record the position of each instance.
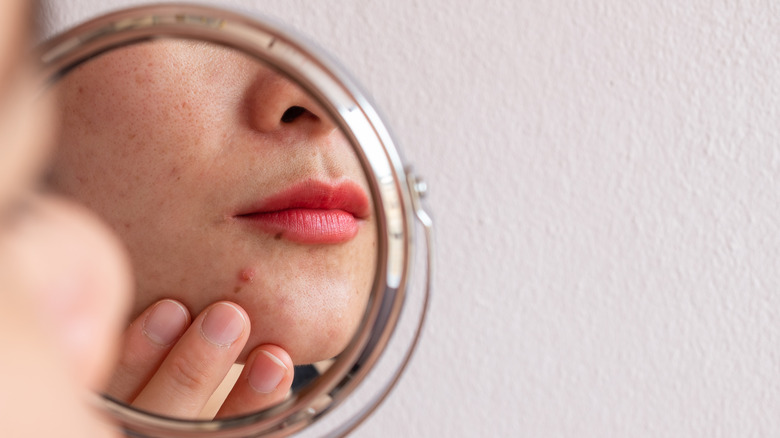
(65, 285)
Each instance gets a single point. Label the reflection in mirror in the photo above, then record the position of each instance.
(246, 214)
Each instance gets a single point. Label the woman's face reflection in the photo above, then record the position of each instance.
(226, 182)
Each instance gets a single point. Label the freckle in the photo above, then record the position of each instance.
(237, 289)
(246, 275)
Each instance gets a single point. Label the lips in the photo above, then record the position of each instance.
(311, 212)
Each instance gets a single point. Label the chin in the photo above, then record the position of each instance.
(311, 319)
(306, 342)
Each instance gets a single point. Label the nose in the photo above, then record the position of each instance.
(276, 104)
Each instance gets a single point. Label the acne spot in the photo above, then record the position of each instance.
(278, 236)
(246, 275)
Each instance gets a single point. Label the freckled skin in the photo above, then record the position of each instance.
(166, 140)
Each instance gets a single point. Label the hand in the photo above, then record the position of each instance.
(66, 288)
(171, 365)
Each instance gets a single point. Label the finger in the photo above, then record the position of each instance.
(264, 382)
(146, 343)
(197, 363)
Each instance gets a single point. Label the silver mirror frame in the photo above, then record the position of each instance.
(395, 189)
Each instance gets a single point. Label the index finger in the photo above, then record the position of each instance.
(198, 363)
(146, 343)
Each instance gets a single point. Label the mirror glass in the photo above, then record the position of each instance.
(246, 214)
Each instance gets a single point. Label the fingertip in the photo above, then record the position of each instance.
(224, 323)
(278, 352)
(166, 322)
(271, 369)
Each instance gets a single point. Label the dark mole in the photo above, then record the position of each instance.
(278, 236)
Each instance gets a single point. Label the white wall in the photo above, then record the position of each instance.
(604, 176)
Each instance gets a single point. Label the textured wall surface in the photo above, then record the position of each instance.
(604, 176)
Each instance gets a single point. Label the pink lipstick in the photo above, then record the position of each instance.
(311, 212)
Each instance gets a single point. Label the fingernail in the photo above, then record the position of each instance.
(266, 373)
(166, 322)
(223, 324)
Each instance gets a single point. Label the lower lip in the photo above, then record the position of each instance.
(303, 225)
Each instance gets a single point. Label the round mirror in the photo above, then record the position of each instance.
(267, 215)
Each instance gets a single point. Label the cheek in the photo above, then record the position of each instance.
(106, 142)
(136, 120)
(134, 150)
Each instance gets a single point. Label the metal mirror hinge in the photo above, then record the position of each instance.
(418, 189)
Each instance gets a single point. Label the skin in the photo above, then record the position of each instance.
(167, 141)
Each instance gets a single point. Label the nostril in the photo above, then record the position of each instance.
(292, 113)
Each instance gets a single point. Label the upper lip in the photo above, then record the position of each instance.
(313, 194)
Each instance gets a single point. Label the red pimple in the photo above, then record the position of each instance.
(246, 275)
